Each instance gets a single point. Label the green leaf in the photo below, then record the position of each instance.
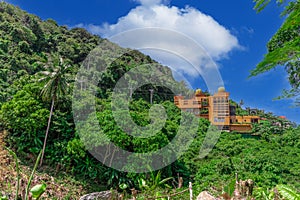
(4, 198)
(38, 190)
(123, 186)
(142, 183)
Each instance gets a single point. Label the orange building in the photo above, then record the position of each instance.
(217, 110)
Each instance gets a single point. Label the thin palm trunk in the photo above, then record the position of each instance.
(47, 131)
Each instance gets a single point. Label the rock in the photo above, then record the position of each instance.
(205, 196)
(104, 195)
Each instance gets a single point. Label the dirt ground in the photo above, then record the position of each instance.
(56, 189)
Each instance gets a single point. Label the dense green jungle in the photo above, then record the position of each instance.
(39, 61)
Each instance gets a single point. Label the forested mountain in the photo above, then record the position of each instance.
(34, 52)
(27, 43)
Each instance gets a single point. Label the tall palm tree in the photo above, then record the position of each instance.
(56, 80)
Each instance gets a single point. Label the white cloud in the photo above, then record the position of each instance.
(216, 41)
(152, 2)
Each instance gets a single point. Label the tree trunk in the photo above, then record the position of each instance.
(47, 131)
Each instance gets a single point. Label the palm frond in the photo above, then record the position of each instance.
(56, 79)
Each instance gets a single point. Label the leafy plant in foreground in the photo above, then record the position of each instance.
(37, 190)
(288, 192)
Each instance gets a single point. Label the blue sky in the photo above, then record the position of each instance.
(231, 32)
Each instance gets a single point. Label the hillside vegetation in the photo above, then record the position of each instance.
(32, 50)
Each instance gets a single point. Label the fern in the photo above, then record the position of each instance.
(287, 192)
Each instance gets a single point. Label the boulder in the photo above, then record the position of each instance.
(104, 195)
(205, 196)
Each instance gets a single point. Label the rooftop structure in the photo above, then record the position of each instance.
(217, 109)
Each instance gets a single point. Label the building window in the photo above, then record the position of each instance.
(254, 120)
(190, 110)
(196, 111)
(219, 119)
(196, 102)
